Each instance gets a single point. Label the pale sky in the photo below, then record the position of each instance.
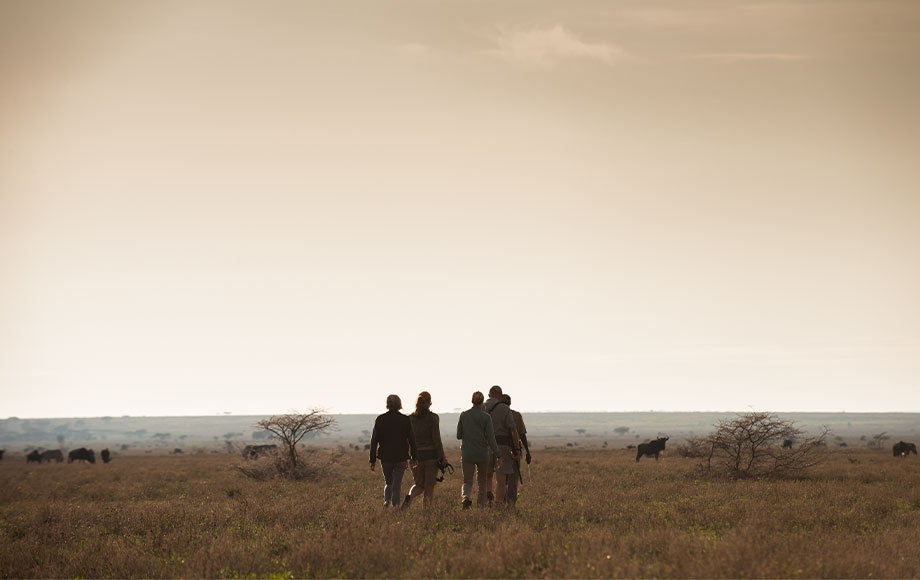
(255, 207)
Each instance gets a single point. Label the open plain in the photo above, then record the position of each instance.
(582, 513)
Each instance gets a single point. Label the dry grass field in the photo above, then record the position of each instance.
(584, 513)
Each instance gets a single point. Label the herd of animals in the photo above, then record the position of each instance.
(650, 449)
(82, 455)
(654, 448)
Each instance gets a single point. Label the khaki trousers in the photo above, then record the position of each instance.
(480, 468)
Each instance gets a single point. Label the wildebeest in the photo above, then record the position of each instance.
(34, 457)
(902, 449)
(256, 451)
(1, 454)
(651, 448)
(81, 454)
(787, 444)
(52, 455)
(106, 456)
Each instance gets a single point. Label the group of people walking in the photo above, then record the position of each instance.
(492, 439)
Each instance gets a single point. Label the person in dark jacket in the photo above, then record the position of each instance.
(427, 431)
(393, 443)
(512, 491)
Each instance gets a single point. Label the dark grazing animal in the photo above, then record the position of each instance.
(106, 456)
(787, 444)
(82, 454)
(256, 451)
(651, 448)
(34, 457)
(902, 449)
(52, 455)
(1, 454)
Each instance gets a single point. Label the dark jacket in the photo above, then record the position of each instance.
(427, 430)
(393, 434)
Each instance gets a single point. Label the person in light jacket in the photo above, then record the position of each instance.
(477, 438)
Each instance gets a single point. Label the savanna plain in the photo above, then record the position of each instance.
(581, 513)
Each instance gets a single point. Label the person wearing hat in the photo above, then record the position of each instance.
(393, 443)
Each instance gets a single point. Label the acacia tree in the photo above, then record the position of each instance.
(750, 445)
(878, 440)
(291, 428)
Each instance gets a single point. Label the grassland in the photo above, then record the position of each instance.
(584, 513)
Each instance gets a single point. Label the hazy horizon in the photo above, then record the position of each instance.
(211, 206)
(457, 410)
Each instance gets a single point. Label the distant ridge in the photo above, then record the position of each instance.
(177, 431)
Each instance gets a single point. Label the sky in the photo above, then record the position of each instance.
(261, 207)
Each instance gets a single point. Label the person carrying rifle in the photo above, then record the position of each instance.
(507, 437)
(512, 492)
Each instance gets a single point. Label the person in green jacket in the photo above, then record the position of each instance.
(427, 431)
(477, 437)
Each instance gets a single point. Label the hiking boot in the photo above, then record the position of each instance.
(467, 503)
(405, 504)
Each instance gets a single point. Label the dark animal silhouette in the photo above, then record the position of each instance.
(106, 456)
(82, 454)
(256, 451)
(34, 457)
(52, 455)
(176, 451)
(902, 449)
(1, 454)
(651, 448)
(787, 444)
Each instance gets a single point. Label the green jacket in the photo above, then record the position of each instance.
(476, 434)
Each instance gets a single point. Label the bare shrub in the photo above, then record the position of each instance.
(750, 445)
(694, 447)
(280, 467)
(289, 430)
